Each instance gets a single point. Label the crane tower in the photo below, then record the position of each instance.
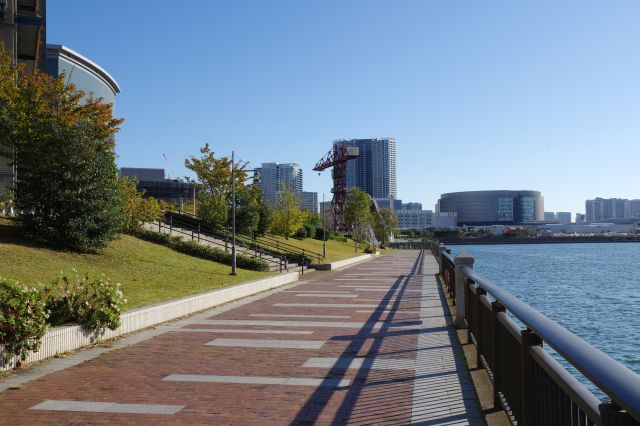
(337, 158)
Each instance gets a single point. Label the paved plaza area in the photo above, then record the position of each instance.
(369, 344)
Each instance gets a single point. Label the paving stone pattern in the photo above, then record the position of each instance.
(280, 360)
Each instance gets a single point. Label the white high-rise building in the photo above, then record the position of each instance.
(274, 177)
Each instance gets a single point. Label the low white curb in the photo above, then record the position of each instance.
(68, 338)
(343, 263)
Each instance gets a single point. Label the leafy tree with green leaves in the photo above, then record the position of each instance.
(247, 210)
(288, 218)
(67, 188)
(385, 223)
(357, 214)
(213, 185)
(265, 218)
(136, 208)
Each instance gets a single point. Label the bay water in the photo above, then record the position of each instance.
(593, 290)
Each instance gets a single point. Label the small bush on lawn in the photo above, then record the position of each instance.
(94, 302)
(22, 320)
(369, 248)
(195, 249)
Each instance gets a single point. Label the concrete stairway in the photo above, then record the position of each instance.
(207, 240)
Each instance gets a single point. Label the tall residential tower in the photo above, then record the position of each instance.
(374, 171)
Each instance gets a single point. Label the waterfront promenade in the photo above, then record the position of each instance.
(367, 344)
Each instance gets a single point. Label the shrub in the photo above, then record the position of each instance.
(93, 302)
(369, 248)
(136, 209)
(195, 249)
(22, 320)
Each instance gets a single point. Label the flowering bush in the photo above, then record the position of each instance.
(22, 320)
(94, 302)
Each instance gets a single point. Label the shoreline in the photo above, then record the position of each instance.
(539, 240)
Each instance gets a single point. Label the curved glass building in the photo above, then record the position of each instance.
(493, 207)
(83, 73)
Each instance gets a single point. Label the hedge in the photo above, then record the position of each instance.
(195, 249)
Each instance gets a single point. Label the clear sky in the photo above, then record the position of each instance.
(541, 95)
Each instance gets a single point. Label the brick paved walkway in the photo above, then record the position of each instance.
(367, 344)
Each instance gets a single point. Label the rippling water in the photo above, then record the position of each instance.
(591, 289)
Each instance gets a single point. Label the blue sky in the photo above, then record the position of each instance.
(541, 95)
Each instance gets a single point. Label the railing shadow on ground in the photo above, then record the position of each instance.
(376, 394)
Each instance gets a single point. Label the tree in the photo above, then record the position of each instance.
(62, 144)
(288, 218)
(247, 209)
(385, 223)
(136, 209)
(213, 185)
(357, 214)
(265, 218)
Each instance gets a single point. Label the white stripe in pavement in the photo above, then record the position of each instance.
(267, 323)
(381, 287)
(240, 331)
(267, 343)
(321, 324)
(358, 363)
(301, 316)
(258, 380)
(396, 311)
(324, 305)
(327, 295)
(313, 291)
(106, 407)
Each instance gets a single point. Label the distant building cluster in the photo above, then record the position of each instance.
(612, 209)
(273, 178)
(558, 217)
(411, 216)
(154, 184)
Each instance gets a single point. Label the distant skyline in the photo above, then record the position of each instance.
(478, 95)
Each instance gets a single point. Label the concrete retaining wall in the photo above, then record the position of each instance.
(343, 263)
(68, 338)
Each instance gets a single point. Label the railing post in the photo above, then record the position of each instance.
(477, 326)
(496, 308)
(170, 224)
(527, 393)
(198, 232)
(440, 258)
(461, 260)
(611, 414)
(159, 226)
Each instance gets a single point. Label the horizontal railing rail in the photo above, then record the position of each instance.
(528, 383)
(271, 240)
(280, 263)
(277, 247)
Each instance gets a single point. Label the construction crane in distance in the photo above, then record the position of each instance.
(337, 158)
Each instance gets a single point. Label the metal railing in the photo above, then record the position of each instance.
(277, 262)
(528, 383)
(268, 244)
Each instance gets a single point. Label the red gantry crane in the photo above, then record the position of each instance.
(337, 158)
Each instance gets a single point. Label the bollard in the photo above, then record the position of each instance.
(461, 260)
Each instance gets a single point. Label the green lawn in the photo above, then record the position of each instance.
(335, 250)
(148, 272)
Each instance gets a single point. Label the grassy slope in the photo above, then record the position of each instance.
(335, 250)
(149, 273)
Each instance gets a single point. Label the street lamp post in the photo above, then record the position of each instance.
(324, 231)
(233, 214)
